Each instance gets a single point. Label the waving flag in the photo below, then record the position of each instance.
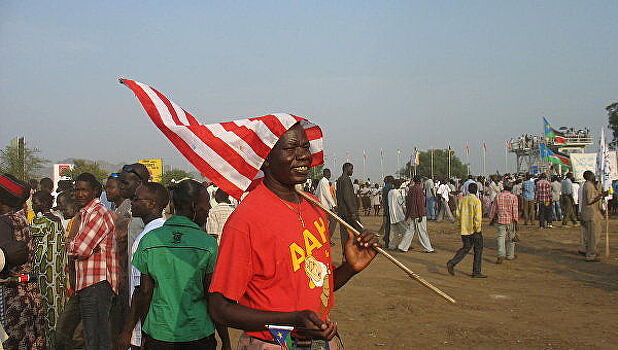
(553, 134)
(603, 164)
(416, 160)
(554, 157)
(230, 154)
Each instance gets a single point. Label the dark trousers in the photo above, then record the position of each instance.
(386, 226)
(119, 311)
(208, 343)
(354, 222)
(545, 214)
(95, 303)
(332, 224)
(68, 335)
(568, 210)
(475, 241)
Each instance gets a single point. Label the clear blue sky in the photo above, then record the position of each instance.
(374, 75)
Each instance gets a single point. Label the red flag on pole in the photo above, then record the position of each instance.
(229, 154)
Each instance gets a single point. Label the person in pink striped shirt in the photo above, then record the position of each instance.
(504, 211)
(96, 262)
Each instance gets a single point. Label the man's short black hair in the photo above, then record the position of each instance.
(472, 187)
(185, 193)
(222, 197)
(417, 179)
(44, 196)
(159, 193)
(91, 180)
(47, 183)
(346, 165)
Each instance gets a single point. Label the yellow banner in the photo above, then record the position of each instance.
(155, 166)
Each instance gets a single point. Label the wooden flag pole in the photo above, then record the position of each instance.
(607, 230)
(392, 259)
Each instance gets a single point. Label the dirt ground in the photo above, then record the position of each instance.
(547, 298)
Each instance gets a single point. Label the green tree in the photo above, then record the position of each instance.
(86, 166)
(440, 165)
(612, 114)
(22, 161)
(315, 173)
(175, 174)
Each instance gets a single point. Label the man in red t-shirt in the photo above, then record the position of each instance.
(274, 265)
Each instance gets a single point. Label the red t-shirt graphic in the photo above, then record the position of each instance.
(269, 261)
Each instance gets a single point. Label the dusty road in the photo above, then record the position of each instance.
(547, 298)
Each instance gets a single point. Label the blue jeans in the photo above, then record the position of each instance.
(556, 210)
(95, 303)
(431, 208)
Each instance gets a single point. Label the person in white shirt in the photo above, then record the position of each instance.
(464, 187)
(325, 196)
(364, 195)
(148, 203)
(577, 194)
(376, 197)
(416, 218)
(493, 189)
(444, 192)
(397, 215)
(218, 215)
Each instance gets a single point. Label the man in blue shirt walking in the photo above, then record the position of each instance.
(528, 197)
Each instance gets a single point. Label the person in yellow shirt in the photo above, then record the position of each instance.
(470, 214)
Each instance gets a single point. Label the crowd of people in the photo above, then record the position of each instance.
(407, 205)
(132, 264)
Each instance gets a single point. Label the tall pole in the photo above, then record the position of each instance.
(468, 157)
(382, 162)
(432, 163)
(506, 157)
(449, 161)
(484, 151)
(364, 164)
(22, 157)
(398, 160)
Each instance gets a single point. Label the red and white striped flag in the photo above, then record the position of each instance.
(229, 154)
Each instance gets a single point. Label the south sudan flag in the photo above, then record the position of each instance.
(282, 335)
(553, 134)
(554, 157)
